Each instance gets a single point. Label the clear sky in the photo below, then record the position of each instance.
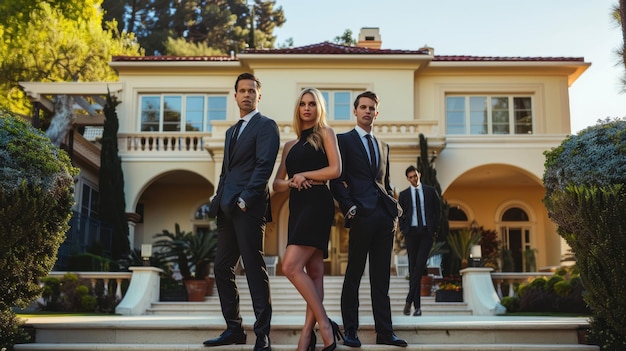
(538, 28)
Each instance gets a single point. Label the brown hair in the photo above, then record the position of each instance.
(250, 76)
(366, 94)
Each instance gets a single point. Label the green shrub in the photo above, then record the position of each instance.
(585, 180)
(68, 294)
(11, 331)
(563, 288)
(555, 279)
(511, 303)
(36, 199)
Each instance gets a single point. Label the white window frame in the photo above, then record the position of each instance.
(490, 113)
(331, 103)
(206, 113)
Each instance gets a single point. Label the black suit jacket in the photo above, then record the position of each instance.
(431, 209)
(357, 185)
(247, 172)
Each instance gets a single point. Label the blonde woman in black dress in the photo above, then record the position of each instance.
(307, 164)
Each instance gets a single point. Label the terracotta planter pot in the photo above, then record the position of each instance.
(196, 289)
(426, 285)
(210, 285)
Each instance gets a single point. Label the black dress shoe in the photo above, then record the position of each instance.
(262, 343)
(418, 312)
(390, 339)
(227, 338)
(407, 309)
(351, 339)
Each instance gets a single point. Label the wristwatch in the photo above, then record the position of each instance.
(241, 203)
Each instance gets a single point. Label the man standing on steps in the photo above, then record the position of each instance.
(418, 223)
(365, 197)
(242, 207)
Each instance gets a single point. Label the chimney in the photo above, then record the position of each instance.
(369, 38)
(431, 51)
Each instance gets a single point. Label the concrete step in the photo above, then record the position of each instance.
(422, 333)
(191, 347)
(287, 301)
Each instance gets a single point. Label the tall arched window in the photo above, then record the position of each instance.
(516, 236)
(459, 216)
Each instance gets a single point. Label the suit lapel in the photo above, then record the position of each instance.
(246, 131)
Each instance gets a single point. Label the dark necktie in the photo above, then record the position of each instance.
(370, 145)
(418, 208)
(233, 138)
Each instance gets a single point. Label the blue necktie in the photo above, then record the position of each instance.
(370, 145)
(233, 138)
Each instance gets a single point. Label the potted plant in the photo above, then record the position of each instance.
(427, 280)
(193, 253)
(461, 243)
(450, 290)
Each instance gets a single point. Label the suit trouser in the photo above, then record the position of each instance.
(242, 234)
(418, 245)
(369, 234)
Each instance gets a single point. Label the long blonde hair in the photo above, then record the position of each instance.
(315, 138)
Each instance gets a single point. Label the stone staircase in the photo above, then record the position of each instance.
(286, 301)
(183, 326)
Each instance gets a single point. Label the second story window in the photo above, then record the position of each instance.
(181, 112)
(339, 103)
(481, 115)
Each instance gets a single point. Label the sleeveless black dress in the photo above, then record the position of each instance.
(311, 211)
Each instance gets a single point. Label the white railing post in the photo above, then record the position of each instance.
(142, 291)
(479, 293)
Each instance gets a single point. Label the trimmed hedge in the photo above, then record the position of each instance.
(36, 198)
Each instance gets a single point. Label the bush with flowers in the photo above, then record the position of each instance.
(451, 283)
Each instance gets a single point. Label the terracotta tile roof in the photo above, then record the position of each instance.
(456, 58)
(172, 58)
(327, 48)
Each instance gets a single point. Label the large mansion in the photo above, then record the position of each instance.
(488, 121)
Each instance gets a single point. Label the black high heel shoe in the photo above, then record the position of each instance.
(336, 335)
(330, 347)
(312, 341)
(336, 332)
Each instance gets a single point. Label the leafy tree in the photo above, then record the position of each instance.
(112, 199)
(585, 181)
(181, 47)
(345, 39)
(57, 44)
(36, 199)
(619, 15)
(223, 25)
(426, 166)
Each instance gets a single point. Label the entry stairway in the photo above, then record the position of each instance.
(183, 326)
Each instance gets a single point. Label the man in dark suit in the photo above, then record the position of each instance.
(365, 196)
(418, 223)
(242, 207)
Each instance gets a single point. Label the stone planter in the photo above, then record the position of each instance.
(449, 296)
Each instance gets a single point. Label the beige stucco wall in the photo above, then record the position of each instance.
(281, 88)
(550, 95)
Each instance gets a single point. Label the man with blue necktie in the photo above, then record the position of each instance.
(418, 223)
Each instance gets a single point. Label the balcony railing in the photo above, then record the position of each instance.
(195, 144)
(511, 279)
(105, 277)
